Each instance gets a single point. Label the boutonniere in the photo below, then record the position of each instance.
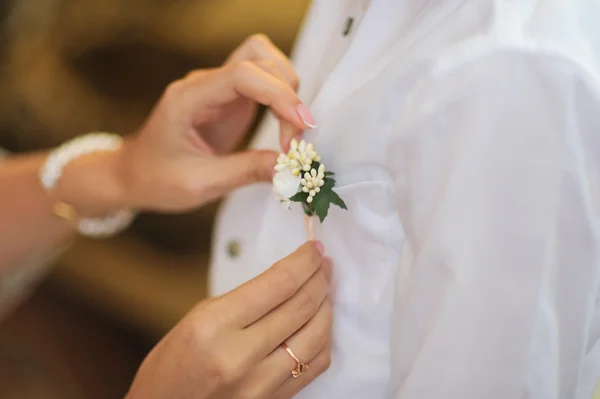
(301, 177)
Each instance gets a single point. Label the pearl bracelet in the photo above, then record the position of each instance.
(53, 168)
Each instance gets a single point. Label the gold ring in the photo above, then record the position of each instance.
(300, 367)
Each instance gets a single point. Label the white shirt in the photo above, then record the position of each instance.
(465, 137)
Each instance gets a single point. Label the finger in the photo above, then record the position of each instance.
(232, 171)
(253, 82)
(205, 92)
(268, 333)
(306, 344)
(260, 48)
(256, 298)
(287, 132)
(292, 386)
(272, 69)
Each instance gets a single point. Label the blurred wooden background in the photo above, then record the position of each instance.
(69, 67)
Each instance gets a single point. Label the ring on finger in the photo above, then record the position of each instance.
(301, 367)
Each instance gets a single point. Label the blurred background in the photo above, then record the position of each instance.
(69, 67)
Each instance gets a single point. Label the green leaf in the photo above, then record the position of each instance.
(299, 197)
(323, 200)
(321, 204)
(328, 185)
(337, 200)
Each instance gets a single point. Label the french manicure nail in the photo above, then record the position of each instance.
(320, 247)
(306, 116)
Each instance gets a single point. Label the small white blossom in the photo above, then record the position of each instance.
(312, 182)
(285, 186)
(299, 158)
(283, 163)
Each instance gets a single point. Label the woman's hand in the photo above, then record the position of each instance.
(230, 346)
(177, 162)
(226, 135)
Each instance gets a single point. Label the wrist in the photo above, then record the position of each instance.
(93, 184)
(83, 177)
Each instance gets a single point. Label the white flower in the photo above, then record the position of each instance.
(285, 186)
(300, 175)
(283, 163)
(312, 182)
(301, 156)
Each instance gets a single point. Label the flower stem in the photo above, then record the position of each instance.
(310, 232)
(308, 211)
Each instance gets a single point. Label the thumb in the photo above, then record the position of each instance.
(238, 170)
(287, 132)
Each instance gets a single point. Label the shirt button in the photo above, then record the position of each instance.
(348, 26)
(233, 249)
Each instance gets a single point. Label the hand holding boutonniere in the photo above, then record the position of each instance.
(301, 177)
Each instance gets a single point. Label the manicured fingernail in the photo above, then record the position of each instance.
(306, 116)
(320, 247)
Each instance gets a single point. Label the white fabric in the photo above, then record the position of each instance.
(465, 136)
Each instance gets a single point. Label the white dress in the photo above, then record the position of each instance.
(465, 137)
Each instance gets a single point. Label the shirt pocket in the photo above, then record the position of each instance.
(363, 242)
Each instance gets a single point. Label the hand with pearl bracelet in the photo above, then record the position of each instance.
(259, 339)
